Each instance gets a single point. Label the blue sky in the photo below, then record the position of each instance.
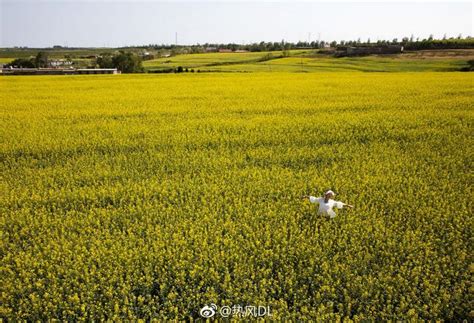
(118, 23)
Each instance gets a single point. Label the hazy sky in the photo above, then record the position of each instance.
(37, 23)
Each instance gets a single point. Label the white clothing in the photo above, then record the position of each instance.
(326, 208)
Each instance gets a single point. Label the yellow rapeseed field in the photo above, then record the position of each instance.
(151, 196)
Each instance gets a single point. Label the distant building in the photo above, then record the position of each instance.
(60, 62)
(241, 51)
(57, 71)
(97, 71)
(211, 49)
(146, 56)
(224, 50)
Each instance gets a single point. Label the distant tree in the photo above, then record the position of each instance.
(22, 62)
(255, 48)
(41, 59)
(105, 61)
(127, 62)
(471, 65)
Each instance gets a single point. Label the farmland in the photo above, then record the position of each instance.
(358, 64)
(203, 60)
(5, 60)
(150, 196)
(305, 61)
(296, 60)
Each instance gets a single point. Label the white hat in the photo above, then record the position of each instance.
(329, 192)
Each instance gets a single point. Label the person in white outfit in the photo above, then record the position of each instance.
(326, 203)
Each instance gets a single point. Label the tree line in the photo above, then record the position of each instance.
(409, 43)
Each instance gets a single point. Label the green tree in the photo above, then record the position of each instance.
(127, 62)
(41, 59)
(22, 62)
(105, 61)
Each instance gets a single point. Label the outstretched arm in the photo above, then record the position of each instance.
(311, 198)
(340, 205)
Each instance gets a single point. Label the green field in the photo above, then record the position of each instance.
(206, 60)
(301, 62)
(5, 60)
(359, 64)
(150, 196)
